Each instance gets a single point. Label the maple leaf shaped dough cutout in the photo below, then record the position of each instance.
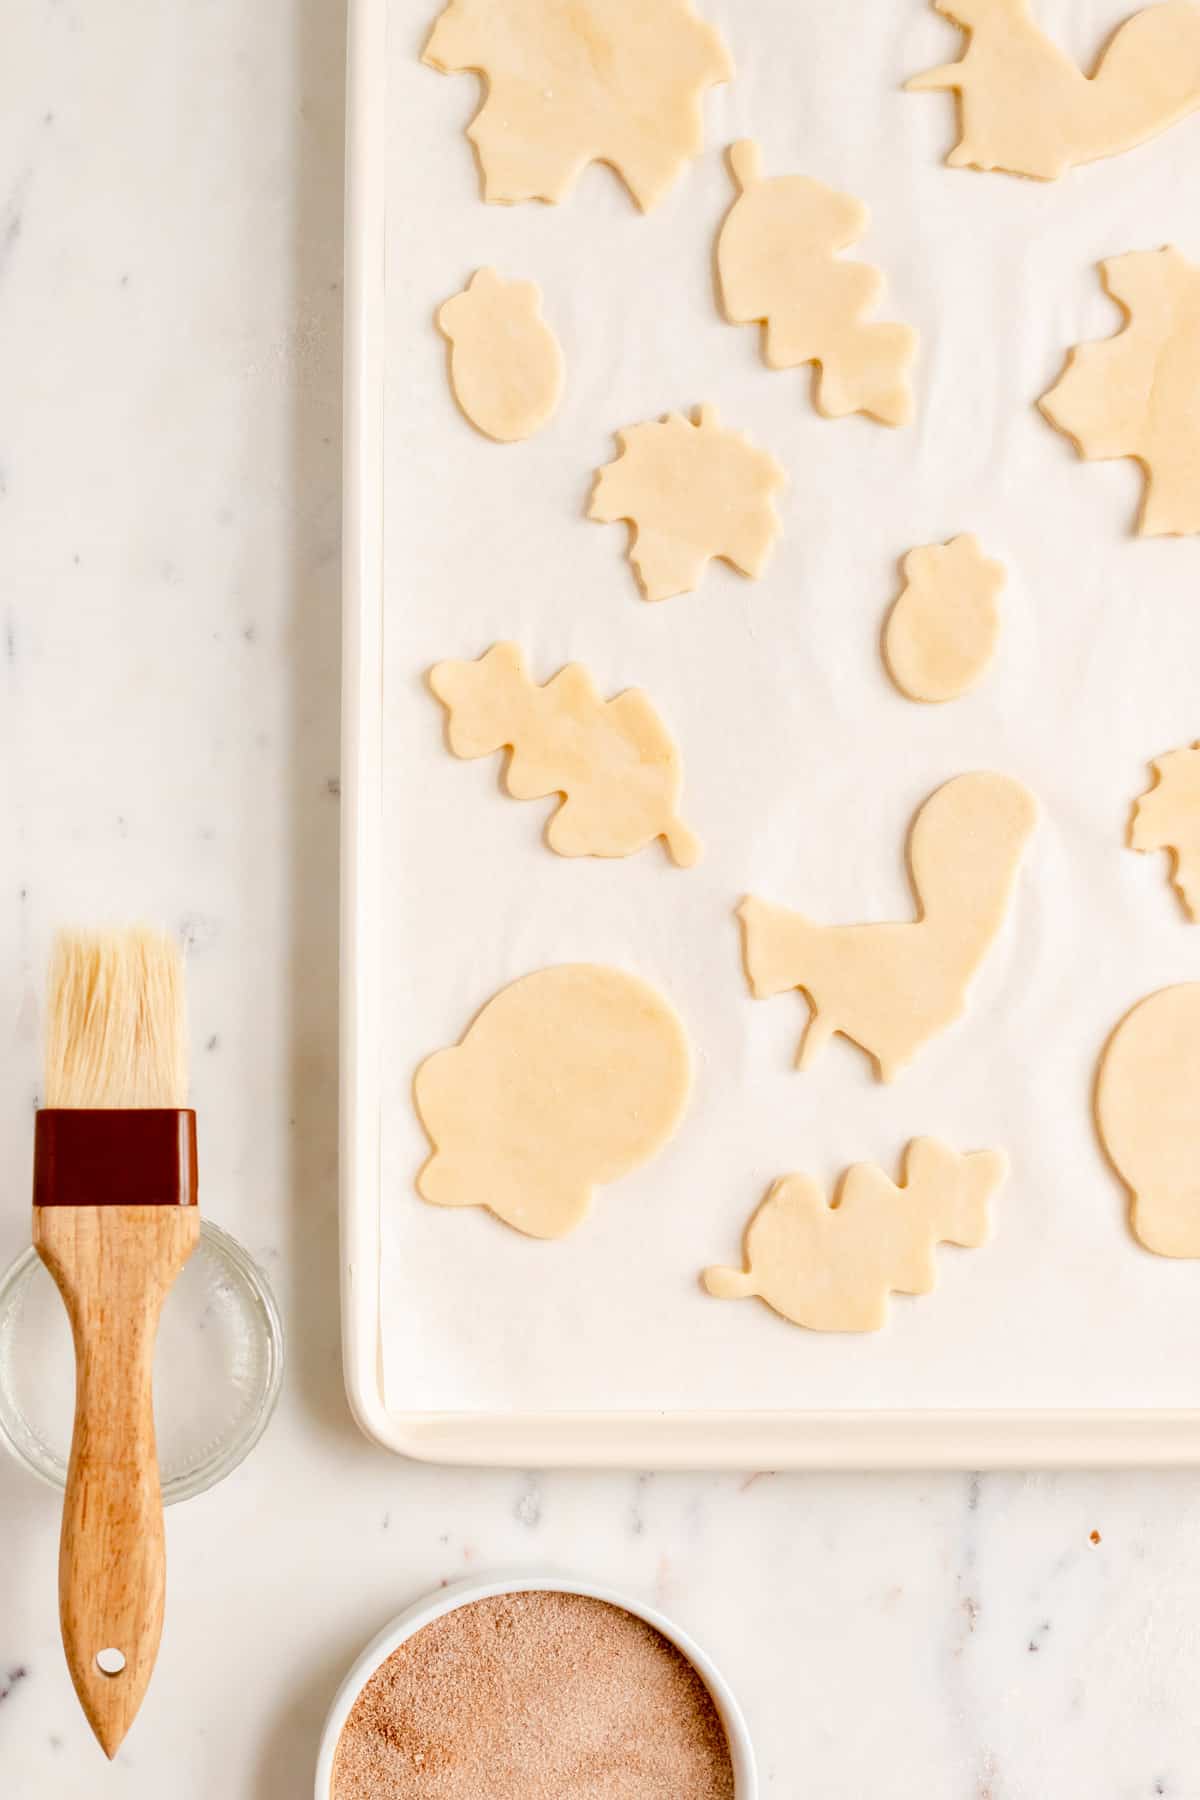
(572, 82)
(1138, 394)
(691, 492)
(832, 1268)
(612, 762)
(890, 988)
(777, 260)
(1027, 109)
(567, 1080)
(1167, 817)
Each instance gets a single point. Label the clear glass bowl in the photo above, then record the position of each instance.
(217, 1368)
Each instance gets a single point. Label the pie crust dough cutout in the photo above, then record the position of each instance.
(1138, 394)
(612, 762)
(572, 82)
(567, 1080)
(506, 365)
(777, 261)
(1167, 817)
(691, 491)
(890, 988)
(832, 1268)
(1148, 1111)
(942, 632)
(1027, 109)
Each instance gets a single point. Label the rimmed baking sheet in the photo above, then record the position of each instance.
(1060, 1342)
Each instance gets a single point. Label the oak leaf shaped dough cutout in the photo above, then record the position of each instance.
(1138, 394)
(890, 988)
(777, 263)
(1148, 1111)
(612, 762)
(942, 632)
(832, 1267)
(1027, 109)
(568, 1079)
(572, 82)
(691, 491)
(506, 365)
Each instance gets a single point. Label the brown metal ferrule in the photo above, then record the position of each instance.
(144, 1156)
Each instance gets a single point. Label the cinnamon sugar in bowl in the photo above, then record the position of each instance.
(534, 1690)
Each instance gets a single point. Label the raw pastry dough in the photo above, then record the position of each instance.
(1026, 108)
(890, 988)
(691, 491)
(612, 762)
(832, 1267)
(567, 1080)
(1167, 817)
(506, 366)
(1138, 394)
(777, 262)
(571, 82)
(943, 630)
(1148, 1108)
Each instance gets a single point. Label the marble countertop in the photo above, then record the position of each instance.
(170, 259)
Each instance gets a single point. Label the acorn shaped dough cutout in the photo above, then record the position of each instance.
(942, 633)
(506, 365)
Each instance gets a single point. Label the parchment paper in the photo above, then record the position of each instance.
(804, 766)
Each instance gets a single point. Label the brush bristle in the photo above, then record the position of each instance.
(116, 1028)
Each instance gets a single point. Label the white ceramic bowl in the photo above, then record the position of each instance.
(463, 1593)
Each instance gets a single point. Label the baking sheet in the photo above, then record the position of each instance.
(803, 765)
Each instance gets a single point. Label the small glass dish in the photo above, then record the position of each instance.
(217, 1367)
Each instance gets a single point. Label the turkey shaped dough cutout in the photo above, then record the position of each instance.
(777, 261)
(691, 491)
(942, 632)
(572, 82)
(1168, 818)
(1026, 108)
(506, 367)
(1138, 394)
(612, 762)
(832, 1268)
(890, 988)
(1148, 1111)
(567, 1080)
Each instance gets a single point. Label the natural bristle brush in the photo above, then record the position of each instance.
(114, 1220)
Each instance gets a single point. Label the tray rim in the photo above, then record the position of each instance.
(852, 1440)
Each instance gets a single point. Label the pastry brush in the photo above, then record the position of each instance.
(114, 1221)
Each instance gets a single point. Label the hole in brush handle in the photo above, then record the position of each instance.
(110, 1662)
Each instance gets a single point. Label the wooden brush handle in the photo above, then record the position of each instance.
(113, 1266)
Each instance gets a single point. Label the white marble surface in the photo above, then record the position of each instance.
(170, 201)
